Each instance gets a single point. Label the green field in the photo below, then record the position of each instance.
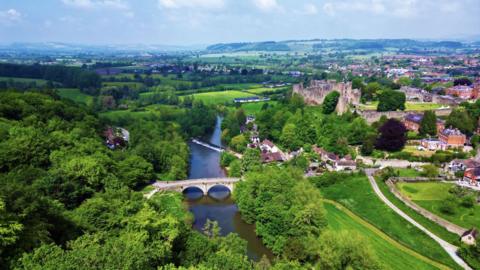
(24, 80)
(432, 195)
(391, 254)
(75, 95)
(165, 112)
(220, 97)
(255, 107)
(133, 85)
(357, 195)
(409, 106)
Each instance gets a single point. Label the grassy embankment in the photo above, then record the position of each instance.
(391, 254)
(356, 194)
(409, 106)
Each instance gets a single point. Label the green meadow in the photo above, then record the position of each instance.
(432, 195)
(75, 95)
(391, 254)
(221, 97)
(356, 194)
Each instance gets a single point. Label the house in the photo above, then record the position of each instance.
(469, 237)
(250, 119)
(452, 137)
(116, 137)
(461, 91)
(416, 94)
(458, 165)
(325, 155)
(268, 146)
(412, 122)
(345, 165)
(472, 176)
(271, 157)
(433, 144)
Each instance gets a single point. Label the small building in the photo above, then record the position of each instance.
(116, 137)
(412, 122)
(469, 237)
(269, 157)
(458, 165)
(472, 176)
(433, 144)
(268, 146)
(325, 155)
(461, 91)
(452, 137)
(345, 165)
(250, 99)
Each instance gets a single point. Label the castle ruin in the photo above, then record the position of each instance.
(316, 92)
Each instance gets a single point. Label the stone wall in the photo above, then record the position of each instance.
(372, 115)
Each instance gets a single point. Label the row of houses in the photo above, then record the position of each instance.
(447, 137)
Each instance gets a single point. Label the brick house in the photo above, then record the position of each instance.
(412, 122)
(461, 91)
(472, 176)
(452, 137)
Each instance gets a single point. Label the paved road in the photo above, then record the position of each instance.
(449, 248)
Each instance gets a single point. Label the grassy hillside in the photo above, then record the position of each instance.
(392, 254)
(357, 195)
(220, 97)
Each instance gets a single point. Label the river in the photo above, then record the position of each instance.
(218, 204)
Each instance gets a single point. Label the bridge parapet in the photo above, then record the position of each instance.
(204, 184)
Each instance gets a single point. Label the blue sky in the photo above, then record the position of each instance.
(186, 22)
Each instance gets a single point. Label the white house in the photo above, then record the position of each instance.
(469, 237)
(268, 146)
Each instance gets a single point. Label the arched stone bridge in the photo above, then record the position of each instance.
(204, 184)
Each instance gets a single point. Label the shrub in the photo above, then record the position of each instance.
(448, 207)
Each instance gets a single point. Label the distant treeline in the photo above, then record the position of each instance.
(68, 76)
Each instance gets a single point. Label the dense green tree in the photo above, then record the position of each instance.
(289, 137)
(330, 102)
(391, 100)
(251, 160)
(428, 125)
(239, 143)
(460, 119)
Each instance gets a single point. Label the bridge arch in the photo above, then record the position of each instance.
(221, 185)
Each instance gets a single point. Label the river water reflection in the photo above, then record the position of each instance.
(218, 205)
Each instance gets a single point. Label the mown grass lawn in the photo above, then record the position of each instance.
(220, 97)
(432, 195)
(425, 191)
(430, 225)
(255, 107)
(357, 195)
(391, 254)
(409, 106)
(412, 149)
(75, 94)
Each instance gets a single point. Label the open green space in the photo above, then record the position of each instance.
(425, 190)
(134, 85)
(409, 106)
(220, 97)
(357, 195)
(255, 107)
(433, 195)
(166, 112)
(75, 95)
(24, 80)
(430, 225)
(391, 254)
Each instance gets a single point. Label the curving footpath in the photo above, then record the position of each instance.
(449, 248)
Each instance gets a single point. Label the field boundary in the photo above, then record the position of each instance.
(385, 236)
(449, 226)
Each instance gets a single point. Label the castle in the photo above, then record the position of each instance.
(319, 89)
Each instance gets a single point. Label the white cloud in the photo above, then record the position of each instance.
(405, 8)
(116, 4)
(310, 9)
(10, 16)
(203, 4)
(267, 5)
